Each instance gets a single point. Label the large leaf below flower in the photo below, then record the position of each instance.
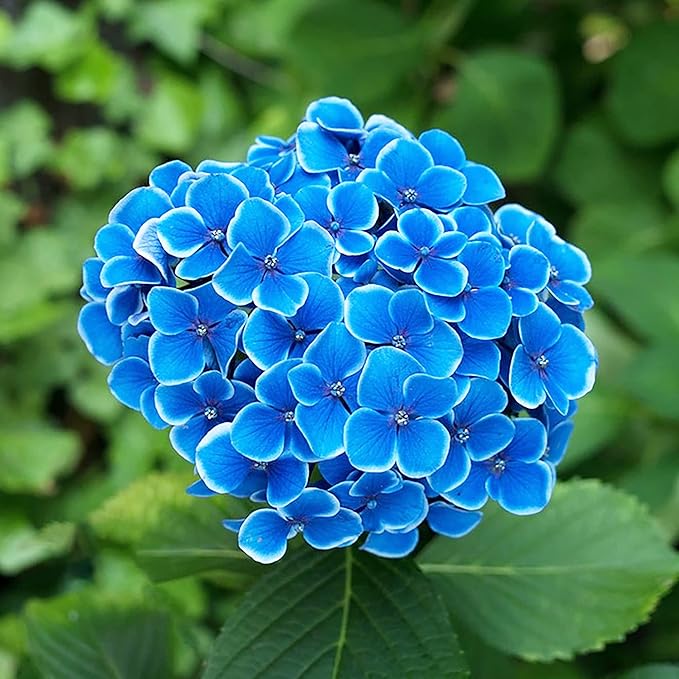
(587, 570)
(338, 614)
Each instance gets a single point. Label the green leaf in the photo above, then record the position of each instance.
(654, 671)
(172, 533)
(670, 178)
(359, 57)
(22, 546)
(505, 112)
(24, 130)
(11, 210)
(32, 457)
(98, 637)
(592, 167)
(644, 90)
(171, 115)
(338, 614)
(584, 572)
(47, 35)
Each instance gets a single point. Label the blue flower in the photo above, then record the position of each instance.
(138, 206)
(401, 319)
(267, 150)
(102, 338)
(453, 522)
(396, 423)
(391, 545)
(225, 470)
(406, 177)
(166, 176)
(553, 361)
(421, 246)
(264, 430)
(478, 430)
(516, 478)
(384, 501)
(316, 515)
(267, 259)
(323, 384)
(526, 276)
(194, 329)
(347, 211)
(196, 233)
(193, 408)
(270, 337)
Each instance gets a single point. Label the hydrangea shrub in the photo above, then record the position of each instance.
(345, 330)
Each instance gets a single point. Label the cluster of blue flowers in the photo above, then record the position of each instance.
(343, 330)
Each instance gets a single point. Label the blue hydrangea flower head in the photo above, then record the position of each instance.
(346, 330)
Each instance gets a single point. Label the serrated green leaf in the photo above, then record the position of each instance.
(584, 572)
(32, 457)
(644, 89)
(91, 636)
(505, 112)
(338, 614)
(22, 546)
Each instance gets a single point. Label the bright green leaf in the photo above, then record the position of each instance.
(338, 614)
(91, 636)
(505, 112)
(584, 572)
(644, 89)
(22, 546)
(32, 457)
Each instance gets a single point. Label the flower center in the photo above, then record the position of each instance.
(498, 466)
(553, 272)
(217, 234)
(542, 361)
(297, 526)
(201, 330)
(299, 335)
(289, 415)
(462, 435)
(402, 418)
(399, 341)
(424, 251)
(334, 226)
(337, 389)
(270, 262)
(409, 195)
(210, 412)
(371, 504)
(354, 158)
(261, 466)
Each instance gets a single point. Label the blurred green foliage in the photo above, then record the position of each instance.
(574, 102)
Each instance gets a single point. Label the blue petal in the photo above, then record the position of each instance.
(100, 336)
(238, 277)
(310, 249)
(340, 530)
(484, 397)
(147, 406)
(485, 263)
(182, 231)
(441, 277)
(92, 289)
(524, 302)
(179, 403)
(202, 263)
(454, 470)
(381, 383)
(450, 244)
(572, 363)
(335, 113)
(259, 226)
(371, 485)
(480, 358)
(199, 489)
(273, 386)
(256, 181)
(391, 545)
(429, 396)
(449, 309)
(323, 426)
(422, 447)
(128, 379)
(288, 206)
(370, 440)
(409, 312)
(176, 358)
(380, 185)
(540, 330)
(353, 243)
(243, 395)
(488, 313)
(397, 252)
(165, 176)
(138, 206)
(353, 205)
(324, 303)
(488, 436)
(172, 311)
(439, 351)
(318, 150)
(367, 316)
(472, 493)
(440, 187)
(483, 185)
(258, 432)
(122, 303)
(404, 508)
(528, 268)
(471, 220)
(216, 199)
(420, 227)
(282, 293)
(571, 294)
(522, 488)
(336, 470)
(267, 338)
(212, 387)
(224, 336)
(246, 371)
(264, 536)
(287, 478)
(514, 222)
(403, 161)
(186, 437)
(444, 149)
(313, 502)
(113, 240)
(525, 383)
(312, 200)
(337, 353)
(124, 270)
(218, 463)
(529, 442)
(450, 521)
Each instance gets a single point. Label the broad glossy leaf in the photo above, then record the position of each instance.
(338, 614)
(584, 572)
